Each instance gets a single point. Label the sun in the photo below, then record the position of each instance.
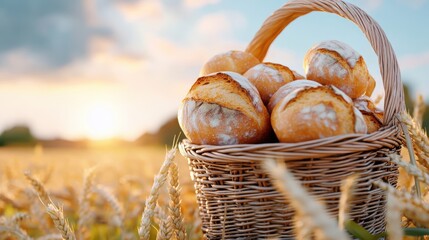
(101, 121)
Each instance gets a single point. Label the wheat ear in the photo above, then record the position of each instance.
(60, 222)
(304, 204)
(419, 109)
(175, 209)
(164, 231)
(420, 139)
(160, 178)
(393, 218)
(84, 205)
(113, 202)
(410, 169)
(18, 218)
(347, 188)
(39, 188)
(17, 232)
(404, 197)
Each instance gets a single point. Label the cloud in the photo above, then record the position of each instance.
(413, 61)
(148, 9)
(194, 4)
(219, 25)
(56, 31)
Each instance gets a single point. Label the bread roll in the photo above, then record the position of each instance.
(297, 76)
(268, 78)
(224, 108)
(336, 63)
(372, 115)
(371, 86)
(288, 88)
(313, 113)
(234, 61)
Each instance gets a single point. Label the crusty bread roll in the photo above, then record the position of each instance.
(288, 88)
(234, 61)
(297, 76)
(268, 78)
(313, 113)
(371, 86)
(372, 115)
(336, 63)
(224, 108)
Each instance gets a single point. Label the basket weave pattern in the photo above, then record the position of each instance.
(235, 196)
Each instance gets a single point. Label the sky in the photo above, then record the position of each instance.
(104, 68)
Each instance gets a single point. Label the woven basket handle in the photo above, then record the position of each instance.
(274, 25)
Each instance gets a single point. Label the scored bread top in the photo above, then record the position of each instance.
(230, 90)
(336, 63)
(288, 88)
(359, 122)
(236, 61)
(342, 49)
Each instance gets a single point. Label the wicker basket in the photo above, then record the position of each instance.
(236, 198)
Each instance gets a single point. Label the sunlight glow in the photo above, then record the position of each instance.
(101, 122)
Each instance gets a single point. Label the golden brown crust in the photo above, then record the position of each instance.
(268, 78)
(372, 122)
(329, 67)
(224, 108)
(234, 61)
(373, 116)
(297, 76)
(288, 88)
(371, 86)
(312, 113)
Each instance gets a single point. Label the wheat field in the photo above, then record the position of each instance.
(126, 174)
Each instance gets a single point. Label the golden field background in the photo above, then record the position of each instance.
(127, 173)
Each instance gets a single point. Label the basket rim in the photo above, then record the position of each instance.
(389, 137)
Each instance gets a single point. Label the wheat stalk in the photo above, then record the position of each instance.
(39, 188)
(175, 209)
(113, 202)
(303, 203)
(410, 169)
(160, 178)
(419, 109)
(347, 188)
(393, 218)
(51, 237)
(60, 222)
(84, 205)
(302, 230)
